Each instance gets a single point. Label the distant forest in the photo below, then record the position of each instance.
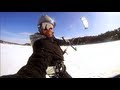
(103, 37)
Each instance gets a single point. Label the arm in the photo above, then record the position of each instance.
(35, 37)
(66, 42)
(40, 58)
(62, 41)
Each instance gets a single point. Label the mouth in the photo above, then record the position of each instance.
(49, 33)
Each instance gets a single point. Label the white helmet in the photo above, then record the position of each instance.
(46, 19)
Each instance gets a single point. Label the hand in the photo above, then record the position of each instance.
(67, 41)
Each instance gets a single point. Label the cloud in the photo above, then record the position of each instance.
(25, 33)
(7, 33)
(17, 40)
(22, 37)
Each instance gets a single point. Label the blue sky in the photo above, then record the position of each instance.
(17, 26)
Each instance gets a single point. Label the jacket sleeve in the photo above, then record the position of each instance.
(38, 62)
(62, 42)
(36, 37)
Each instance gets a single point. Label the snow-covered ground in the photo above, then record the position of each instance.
(89, 61)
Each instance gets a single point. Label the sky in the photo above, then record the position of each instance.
(17, 26)
(89, 61)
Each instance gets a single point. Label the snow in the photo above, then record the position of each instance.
(89, 61)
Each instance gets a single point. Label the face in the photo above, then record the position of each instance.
(47, 29)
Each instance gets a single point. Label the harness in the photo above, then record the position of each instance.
(56, 71)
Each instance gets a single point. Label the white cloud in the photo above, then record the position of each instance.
(8, 33)
(16, 40)
(15, 37)
(26, 33)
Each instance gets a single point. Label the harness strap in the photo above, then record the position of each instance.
(56, 70)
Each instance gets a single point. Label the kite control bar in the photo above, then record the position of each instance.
(70, 44)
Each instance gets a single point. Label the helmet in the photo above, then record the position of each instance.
(46, 18)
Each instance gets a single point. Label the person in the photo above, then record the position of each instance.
(47, 57)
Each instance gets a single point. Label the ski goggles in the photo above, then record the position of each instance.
(46, 26)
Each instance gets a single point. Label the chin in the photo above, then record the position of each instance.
(49, 36)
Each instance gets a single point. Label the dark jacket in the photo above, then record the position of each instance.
(46, 52)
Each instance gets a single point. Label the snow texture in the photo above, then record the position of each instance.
(89, 61)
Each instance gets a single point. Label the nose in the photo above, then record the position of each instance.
(50, 29)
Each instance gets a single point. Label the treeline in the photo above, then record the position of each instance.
(6, 42)
(104, 37)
